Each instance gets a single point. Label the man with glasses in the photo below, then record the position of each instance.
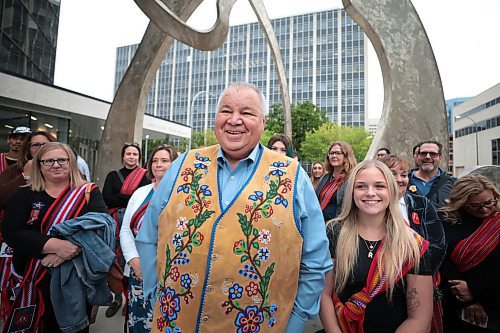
(15, 142)
(428, 179)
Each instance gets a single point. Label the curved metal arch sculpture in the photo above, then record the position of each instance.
(414, 108)
(412, 86)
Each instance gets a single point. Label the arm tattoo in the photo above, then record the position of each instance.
(412, 300)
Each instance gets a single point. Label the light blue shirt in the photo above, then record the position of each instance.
(315, 260)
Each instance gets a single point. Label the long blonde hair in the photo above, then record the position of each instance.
(399, 246)
(37, 180)
(465, 187)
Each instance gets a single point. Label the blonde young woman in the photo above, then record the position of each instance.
(340, 160)
(381, 281)
(317, 171)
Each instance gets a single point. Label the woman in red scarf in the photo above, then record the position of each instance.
(340, 160)
(470, 272)
(55, 193)
(117, 190)
(381, 281)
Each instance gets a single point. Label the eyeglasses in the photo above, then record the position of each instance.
(335, 153)
(50, 162)
(37, 145)
(430, 153)
(487, 204)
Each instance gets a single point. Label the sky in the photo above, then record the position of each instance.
(463, 34)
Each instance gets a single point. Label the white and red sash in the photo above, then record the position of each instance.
(471, 251)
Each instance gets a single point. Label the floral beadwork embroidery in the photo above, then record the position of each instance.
(181, 245)
(254, 253)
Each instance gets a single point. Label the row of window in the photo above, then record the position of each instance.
(481, 126)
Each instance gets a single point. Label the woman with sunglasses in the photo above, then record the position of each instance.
(471, 269)
(56, 193)
(340, 160)
(140, 311)
(118, 188)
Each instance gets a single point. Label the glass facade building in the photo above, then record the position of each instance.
(28, 38)
(323, 53)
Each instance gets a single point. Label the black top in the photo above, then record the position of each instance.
(482, 279)
(26, 239)
(381, 314)
(112, 186)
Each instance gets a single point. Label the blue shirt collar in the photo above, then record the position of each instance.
(252, 157)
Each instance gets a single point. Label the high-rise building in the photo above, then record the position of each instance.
(323, 53)
(28, 38)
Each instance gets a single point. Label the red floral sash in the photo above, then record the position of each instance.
(351, 314)
(138, 217)
(329, 190)
(29, 305)
(471, 251)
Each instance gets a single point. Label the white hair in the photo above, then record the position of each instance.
(263, 102)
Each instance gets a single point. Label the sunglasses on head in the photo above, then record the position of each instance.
(131, 144)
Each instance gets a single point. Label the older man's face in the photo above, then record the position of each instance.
(428, 158)
(239, 123)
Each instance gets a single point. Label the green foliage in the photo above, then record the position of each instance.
(306, 117)
(203, 138)
(266, 135)
(315, 145)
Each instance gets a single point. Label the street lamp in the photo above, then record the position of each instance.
(475, 130)
(192, 113)
(146, 150)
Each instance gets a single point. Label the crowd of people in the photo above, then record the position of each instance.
(238, 237)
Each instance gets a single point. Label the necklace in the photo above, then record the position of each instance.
(370, 246)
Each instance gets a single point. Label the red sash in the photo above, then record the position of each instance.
(138, 217)
(3, 162)
(130, 184)
(328, 191)
(351, 315)
(471, 251)
(29, 305)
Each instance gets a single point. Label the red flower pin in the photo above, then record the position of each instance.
(415, 218)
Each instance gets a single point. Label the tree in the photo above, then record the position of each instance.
(316, 143)
(266, 135)
(306, 117)
(201, 139)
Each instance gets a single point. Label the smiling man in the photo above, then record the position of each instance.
(429, 180)
(15, 142)
(231, 240)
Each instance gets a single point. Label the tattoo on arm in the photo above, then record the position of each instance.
(412, 300)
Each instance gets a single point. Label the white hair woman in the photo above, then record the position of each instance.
(380, 281)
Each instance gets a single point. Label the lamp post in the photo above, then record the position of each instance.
(475, 130)
(192, 113)
(146, 150)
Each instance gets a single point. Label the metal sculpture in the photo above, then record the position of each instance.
(414, 108)
(168, 22)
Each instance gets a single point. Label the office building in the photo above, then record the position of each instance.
(323, 53)
(28, 38)
(476, 136)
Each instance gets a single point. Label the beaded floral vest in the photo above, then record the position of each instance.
(232, 270)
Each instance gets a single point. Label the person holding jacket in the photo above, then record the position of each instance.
(55, 193)
(140, 311)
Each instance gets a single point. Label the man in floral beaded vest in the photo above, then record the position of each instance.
(234, 238)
